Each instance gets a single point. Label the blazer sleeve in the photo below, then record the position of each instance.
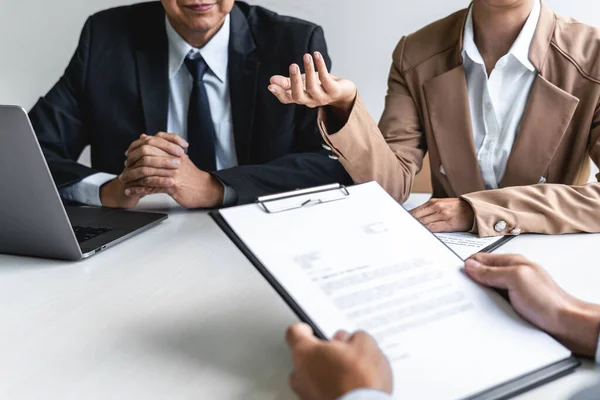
(58, 119)
(309, 166)
(546, 209)
(391, 153)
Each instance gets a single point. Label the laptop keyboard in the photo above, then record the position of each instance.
(85, 233)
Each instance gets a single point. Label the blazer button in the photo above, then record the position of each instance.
(500, 227)
(543, 180)
(515, 232)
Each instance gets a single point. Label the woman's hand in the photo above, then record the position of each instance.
(445, 215)
(314, 89)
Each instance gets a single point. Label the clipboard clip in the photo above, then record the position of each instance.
(303, 198)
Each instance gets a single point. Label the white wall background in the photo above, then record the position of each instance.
(38, 37)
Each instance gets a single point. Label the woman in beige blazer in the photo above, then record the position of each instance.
(504, 96)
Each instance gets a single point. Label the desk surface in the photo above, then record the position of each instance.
(179, 313)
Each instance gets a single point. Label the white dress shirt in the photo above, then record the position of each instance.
(498, 101)
(216, 80)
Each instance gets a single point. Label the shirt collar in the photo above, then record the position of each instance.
(215, 52)
(519, 49)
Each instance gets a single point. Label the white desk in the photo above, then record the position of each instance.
(179, 313)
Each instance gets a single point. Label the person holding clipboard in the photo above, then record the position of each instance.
(352, 367)
(504, 98)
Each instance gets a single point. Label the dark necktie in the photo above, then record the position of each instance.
(201, 130)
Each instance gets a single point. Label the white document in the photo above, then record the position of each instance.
(365, 263)
(467, 244)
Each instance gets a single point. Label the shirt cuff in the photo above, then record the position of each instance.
(229, 195)
(87, 191)
(366, 394)
(598, 352)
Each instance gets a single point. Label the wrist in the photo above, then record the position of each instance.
(343, 107)
(215, 192)
(579, 327)
(337, 114)
(112, 194)
(106, 194)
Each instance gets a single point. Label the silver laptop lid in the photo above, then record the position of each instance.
(33, 221)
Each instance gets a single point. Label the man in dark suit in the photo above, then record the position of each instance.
(173, 98)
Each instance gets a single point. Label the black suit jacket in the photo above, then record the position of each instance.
(116, 87)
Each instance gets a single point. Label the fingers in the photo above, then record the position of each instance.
(175, 139)
(134, 174)
(500, 260)
(298, 94)
(169, 137)
(496, 277)
(281, 87)
(137, 154)
(440, 227)
(341, 336)
(147, 145)
(431, 218)
(300, 336)
(284, 96)
(164, 162)
(362, 338)
(327, 80)
(282, 82)
(148, 151)
(424, 210)
(311, 89)
(313, 86)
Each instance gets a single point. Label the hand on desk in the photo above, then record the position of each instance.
(538, 299)
(446, 215)
(158, 164)
(315, 89)
(328, 370)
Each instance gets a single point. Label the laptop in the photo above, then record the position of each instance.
(33, 219)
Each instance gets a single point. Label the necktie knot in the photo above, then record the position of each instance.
(197, 67)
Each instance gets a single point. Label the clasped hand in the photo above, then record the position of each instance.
(159, 164)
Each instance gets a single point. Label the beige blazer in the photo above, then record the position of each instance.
(427, 110)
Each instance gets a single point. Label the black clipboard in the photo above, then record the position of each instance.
(495, 246)
(503, 391)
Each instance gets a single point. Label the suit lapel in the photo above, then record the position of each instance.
(545, 122)
(546, 119)
(243, 76)
(448, 104)
(152, 58)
